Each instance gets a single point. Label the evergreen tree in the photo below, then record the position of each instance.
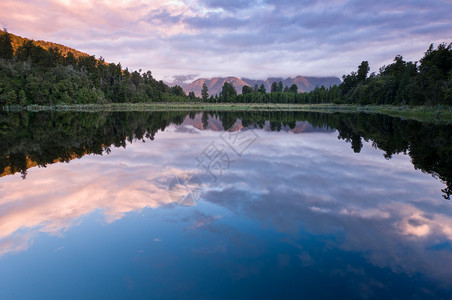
(228, 93)
(246, 89)
(274, 87)
(204, 92)
(6, 48)
(363, 70)
(294, 88)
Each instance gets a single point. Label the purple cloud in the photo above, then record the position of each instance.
(254, 39)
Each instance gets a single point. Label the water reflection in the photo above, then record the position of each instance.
(30, 139)
(299, 203)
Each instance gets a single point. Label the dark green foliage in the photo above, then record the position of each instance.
(46, 76)
(293, 88)
(318, 95)
(246, 89)
(435, 74)
(274, 87)
(280, 87)
(177, 91)
(403, 82)
(363, 70)
(35, 75)
(204, 92)
(228, 93)
(6, 48)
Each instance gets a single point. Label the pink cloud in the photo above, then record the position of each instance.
(58, 196)
(214, 38)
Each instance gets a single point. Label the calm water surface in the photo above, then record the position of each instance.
(227, 206)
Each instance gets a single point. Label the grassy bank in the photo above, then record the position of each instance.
(433, 114)
(436, 114)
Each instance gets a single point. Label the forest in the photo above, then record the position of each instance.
(32, 74)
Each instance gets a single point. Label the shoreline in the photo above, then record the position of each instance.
(435, 114)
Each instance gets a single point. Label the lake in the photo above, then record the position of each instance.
(224, 205)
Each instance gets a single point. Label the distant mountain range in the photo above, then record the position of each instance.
(305, 84)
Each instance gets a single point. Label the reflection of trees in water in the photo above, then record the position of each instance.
(428, 145)
(30, 139)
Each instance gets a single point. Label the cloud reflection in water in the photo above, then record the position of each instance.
(297, 184)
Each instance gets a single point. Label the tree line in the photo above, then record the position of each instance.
(427, 82)
(277, 94)
(34, 75)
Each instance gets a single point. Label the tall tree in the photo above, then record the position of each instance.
(246, 89)
(6, 48)
(435, 74)
(204, 92)
(228, 93)
(363, 70)
(280, 86)
(274, 87)
(294, 88)
(177, 90)
(262, 89)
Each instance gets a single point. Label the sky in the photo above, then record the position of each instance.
(186, 39)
